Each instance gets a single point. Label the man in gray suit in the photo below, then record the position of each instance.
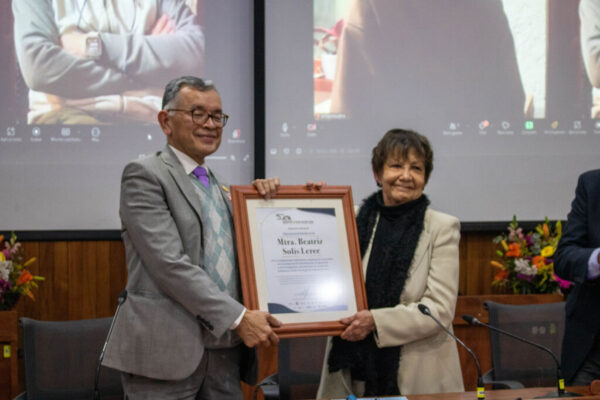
(179, 333)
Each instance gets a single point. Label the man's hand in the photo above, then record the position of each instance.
(255, 328)
(266, 187)
(164, 25)
(73, 43)
(358, 326)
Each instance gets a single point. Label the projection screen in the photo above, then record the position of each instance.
(74, 111)
(502, 89)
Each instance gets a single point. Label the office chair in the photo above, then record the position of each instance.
(61, 359)
(299, 363)
(516, 364)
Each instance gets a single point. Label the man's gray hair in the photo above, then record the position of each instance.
(175, 85)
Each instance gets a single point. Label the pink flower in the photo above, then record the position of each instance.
(513, 234)
(563, 284)
(15, 248)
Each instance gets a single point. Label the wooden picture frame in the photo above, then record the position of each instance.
(299, 257)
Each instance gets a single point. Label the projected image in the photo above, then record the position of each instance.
(90, 62)
(82, 86)
(483, 58)
(589, 11)
(499, 86)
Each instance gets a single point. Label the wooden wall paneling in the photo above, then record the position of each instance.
(51, 264)
(476, 273)
(118, 271)
(57, 259)
(90, 257)
(82, 269)
(46, 303)
(102, 281)
(77, 281)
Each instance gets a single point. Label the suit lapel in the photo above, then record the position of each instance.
(181, 179)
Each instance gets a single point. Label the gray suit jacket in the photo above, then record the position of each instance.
(172, 304)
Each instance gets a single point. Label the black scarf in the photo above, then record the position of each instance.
(393, 248)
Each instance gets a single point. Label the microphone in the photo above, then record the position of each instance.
(120, 301)
(480, 388)
(561, 381)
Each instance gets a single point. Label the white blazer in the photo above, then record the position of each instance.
(429, 361)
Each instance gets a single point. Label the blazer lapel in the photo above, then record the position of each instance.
(181, 179)
(420, 259)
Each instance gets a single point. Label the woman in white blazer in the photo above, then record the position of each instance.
(410, 256)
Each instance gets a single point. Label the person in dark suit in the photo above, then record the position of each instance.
(578, 259)
(182, 332)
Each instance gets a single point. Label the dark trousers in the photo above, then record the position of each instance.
(590, 369)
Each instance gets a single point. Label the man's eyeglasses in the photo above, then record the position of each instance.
(200, 116)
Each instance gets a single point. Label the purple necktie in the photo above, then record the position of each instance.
(202, 175)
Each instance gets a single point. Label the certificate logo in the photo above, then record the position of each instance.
(287, 219)
(283, 217)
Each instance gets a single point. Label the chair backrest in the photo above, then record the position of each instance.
(299, 364)
(61, 359)
(543, 324)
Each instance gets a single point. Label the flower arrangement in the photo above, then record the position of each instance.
(15, 278)
(526, 265)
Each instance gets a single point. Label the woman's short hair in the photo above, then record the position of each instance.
(399, 143)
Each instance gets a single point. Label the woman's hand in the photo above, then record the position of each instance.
(358, 326)
(310, 185)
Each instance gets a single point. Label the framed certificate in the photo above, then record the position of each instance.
(299, 257)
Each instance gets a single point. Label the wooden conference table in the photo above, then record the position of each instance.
(506, 394)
